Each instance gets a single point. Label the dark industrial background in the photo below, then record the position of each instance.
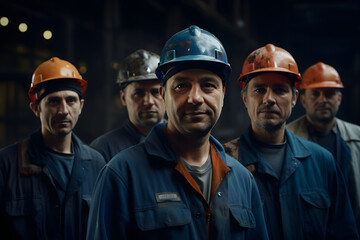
(96, 35)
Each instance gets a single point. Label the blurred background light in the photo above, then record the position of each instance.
(23, 27)
(47, 34)
(4, 21)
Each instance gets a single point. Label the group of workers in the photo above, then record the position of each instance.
(162, 175)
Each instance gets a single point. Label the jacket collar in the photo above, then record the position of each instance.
(348, 131)
(299, 150)
(157, 144)
(296, 151)
(37, 149)
(130, 127)
(37, 156)
(248, 154)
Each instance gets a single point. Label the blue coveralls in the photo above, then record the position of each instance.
(111, 143)
(311, 198)
(30, 207)
(144, 192)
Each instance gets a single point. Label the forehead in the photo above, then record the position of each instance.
(270, 79)
(322, 89)
(62, 94)
(145, 84)
(195, 74)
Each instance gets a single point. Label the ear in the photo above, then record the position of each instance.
(122, 97)
(82, 101)
(35, 108)
(293, 101)
(340, 97)
(243, 98)
(302, 99)
(162, 92)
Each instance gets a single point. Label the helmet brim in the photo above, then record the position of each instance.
(322, 85)
(162, 69)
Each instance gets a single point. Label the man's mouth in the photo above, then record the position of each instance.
(269, 111)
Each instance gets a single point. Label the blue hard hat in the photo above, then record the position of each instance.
(193, 45)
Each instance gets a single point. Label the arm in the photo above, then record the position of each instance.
(260, 232)
(109, 216)
(341, 218)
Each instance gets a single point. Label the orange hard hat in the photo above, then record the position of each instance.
(55, 69)
(321, 75)
(269, 59)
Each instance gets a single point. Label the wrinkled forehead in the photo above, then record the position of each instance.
(147, 85)
(326, 89)
(194, 75)
(270, 79)
(62, 94)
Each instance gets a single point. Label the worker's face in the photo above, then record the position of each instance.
(193, 99)
(144, 103)
(58, 112)
(321, 104)
(269, 99)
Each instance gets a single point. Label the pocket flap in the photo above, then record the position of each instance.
(243, 216)
(316, 198)
(22, 207)
(162, 217)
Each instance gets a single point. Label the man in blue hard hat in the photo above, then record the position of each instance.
(179, 183)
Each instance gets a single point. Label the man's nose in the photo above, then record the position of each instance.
(148, 99)
(63, 107)
(322, 96)
(269, 97)
(195, 95)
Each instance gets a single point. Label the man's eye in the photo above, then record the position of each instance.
(71, 100)
(209, 85)
(330, 94)
(53, 101)
(315, 94)
(139, 93)
(180, 86)
(259, 90)
(280, 90)
(155, 92)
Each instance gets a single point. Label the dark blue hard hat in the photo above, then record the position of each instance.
(193, 46)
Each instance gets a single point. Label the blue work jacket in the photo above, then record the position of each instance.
(311, 196)
(113, 142)
(141, 194)
(30, 207)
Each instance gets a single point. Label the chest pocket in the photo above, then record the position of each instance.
(243, 217)
(23, 207)
(23, 218)
(170, 215)
(315, 212)
(317, 199)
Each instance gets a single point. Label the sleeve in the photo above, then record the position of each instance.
(2, 187)
(8, 155)
(101, 148)
(109, 216)
(342, 223)
(260, 231)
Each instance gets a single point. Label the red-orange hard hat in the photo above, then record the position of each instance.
(54, 69)
(269, 59)
(321, 75)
